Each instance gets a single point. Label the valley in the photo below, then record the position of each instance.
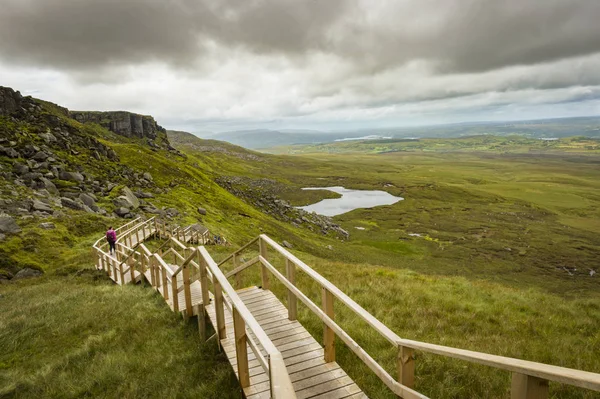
(491, 249)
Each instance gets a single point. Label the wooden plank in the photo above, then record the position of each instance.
(241, 349)
(292, 300)
(332, 375)
(344, 392)
(328, 334)
(528, 387)
(323, 387)
(406, 366)
(264, 274)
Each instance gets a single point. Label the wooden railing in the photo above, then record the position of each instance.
(529, 379)
(243, 321)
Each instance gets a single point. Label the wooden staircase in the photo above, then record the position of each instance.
(271, 352)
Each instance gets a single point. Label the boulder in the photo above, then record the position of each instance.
(87, 199)
(40, 156)
(71, 176)
(48, 137)
(8, 225)
(48, 185)
(20, 168)
(133, 200)
(141, 194)
(47, 226)
(9, 152)
(41, 207)
(122, 202)
(172, 212)
(27, 273)
(147, 176)
(287, 244)
(122, 212)
(69, 203)
(201, 211)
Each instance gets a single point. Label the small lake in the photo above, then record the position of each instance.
(349, 201)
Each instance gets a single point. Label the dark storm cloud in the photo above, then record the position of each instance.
(90, 34)
(455, 35)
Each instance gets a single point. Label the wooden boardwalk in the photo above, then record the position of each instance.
(272, 354)
(311, 376)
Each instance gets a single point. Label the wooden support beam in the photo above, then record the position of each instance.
(528, 387)
(174, 294)
(220, 311)
(131, 262)
(241, 348)
(122, 273)
(290, 268)
(201, 315)
(328, 334)
(185, 272)
(238, 276)
(165, 288)
(203, 279)
(406, 366)
(264, 273)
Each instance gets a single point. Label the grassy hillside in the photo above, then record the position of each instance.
(72, 333)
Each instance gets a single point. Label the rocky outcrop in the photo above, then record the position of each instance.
(10, 100)
(122, 123)
(262, 193)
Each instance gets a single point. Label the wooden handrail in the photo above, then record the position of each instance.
(388, 334)
(281, 384)
(579, 378)
(399, 389)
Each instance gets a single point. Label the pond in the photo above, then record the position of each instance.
(349, 201)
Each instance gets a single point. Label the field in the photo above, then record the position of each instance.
(501, 264)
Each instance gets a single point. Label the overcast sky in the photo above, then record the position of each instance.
(216, 65)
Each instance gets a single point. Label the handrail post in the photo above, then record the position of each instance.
(174, 294)
(137, 235)
(525, 386)
(203, 280)
(114, 266)
(122, 273)
(165, 288)
(264, 273)
(131, 263)
(290, 269)
(406, 366)
(328, 333)
(220, 311)
(187, 291)
(241, 349)
(238, 276)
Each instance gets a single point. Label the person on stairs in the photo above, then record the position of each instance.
(111, 237)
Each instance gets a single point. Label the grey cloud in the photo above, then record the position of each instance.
(457, 35)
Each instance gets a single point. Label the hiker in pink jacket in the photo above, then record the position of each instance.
(111, 237)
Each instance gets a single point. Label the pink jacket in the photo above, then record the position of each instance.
(111, 235)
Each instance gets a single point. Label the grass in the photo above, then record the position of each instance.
(500, 266)
(84, 337)
(453, 311)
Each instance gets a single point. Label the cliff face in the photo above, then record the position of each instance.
(12, 101)
(123, 123)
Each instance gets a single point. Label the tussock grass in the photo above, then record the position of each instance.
(83, 336)
(528, 324)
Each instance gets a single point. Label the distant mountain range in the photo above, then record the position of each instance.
(543, 128)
